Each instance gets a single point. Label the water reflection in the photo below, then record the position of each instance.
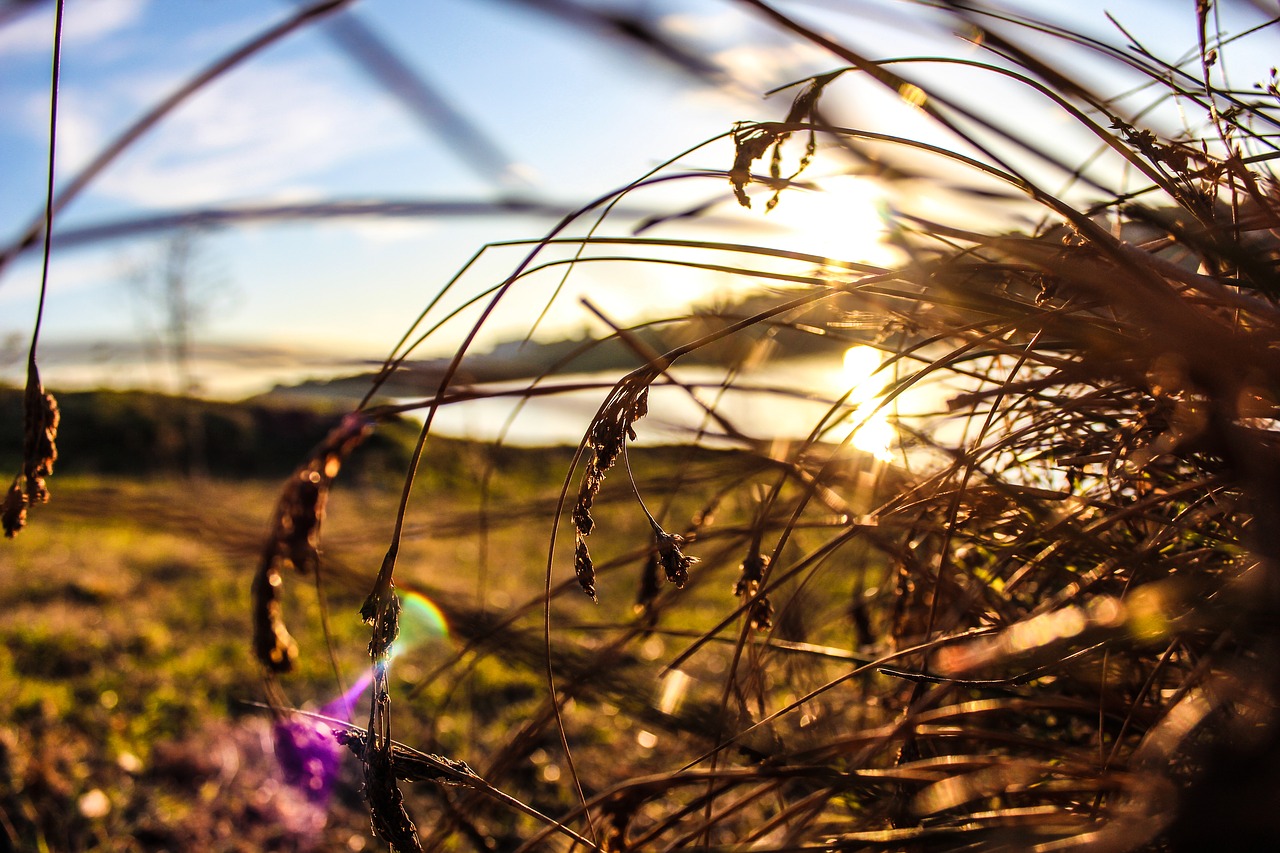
(785, 399)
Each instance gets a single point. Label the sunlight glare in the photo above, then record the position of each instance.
(845, 219)
(858, 372)
(674, 686)
(859, 378)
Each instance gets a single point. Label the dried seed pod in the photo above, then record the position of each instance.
(760, 612)
(295, 538)
(609, 433)
(673, 561)
(584, 568)
(14, 510)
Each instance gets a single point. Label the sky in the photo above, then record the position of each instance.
(575, 114)
(547, 111)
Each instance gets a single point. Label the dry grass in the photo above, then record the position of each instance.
(1055, 631)
(1049, 624)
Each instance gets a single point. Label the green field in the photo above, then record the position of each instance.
(131, 699)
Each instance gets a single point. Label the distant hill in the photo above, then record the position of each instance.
(801, 333)
(139, 433)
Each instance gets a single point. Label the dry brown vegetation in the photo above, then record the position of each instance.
(1048, 623)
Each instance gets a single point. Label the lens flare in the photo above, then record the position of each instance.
(421, 621)
(345, 705)
(305, 747)
(845, 218)
(858, 372)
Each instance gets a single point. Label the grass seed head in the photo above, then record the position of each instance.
(583, 523)
(675, 563)
(614, 426)
(14, 510)
(751, 141)
(760, 613)
(40, 448)
(301, 510)
(650, 586)
(387, 813)
(607, 439)
(295, 539)
(616, 816)
(584, 568)
(411, 765)
(273, 645)
(39, 451)
(301, 506)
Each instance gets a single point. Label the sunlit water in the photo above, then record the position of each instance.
(786, 400)
(782, 400)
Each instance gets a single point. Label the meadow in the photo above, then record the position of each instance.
(135, 721)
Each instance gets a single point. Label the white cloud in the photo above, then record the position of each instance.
(263, 128)
(67, 274)
(80, 132)
(88, 116)
(83, 24)
(754, 57)
(761, 67)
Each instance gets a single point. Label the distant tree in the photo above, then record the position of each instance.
(176, 293)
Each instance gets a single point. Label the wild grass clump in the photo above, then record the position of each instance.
(39, 452)
(1048, 622)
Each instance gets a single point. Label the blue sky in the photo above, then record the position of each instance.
(576, 113)
(577, 116)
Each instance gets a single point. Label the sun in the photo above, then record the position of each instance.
(842, 218)
(861, 379)
(858, 373)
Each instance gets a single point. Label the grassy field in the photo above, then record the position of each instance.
(127, 677)
(125, 674)
(130, 694)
